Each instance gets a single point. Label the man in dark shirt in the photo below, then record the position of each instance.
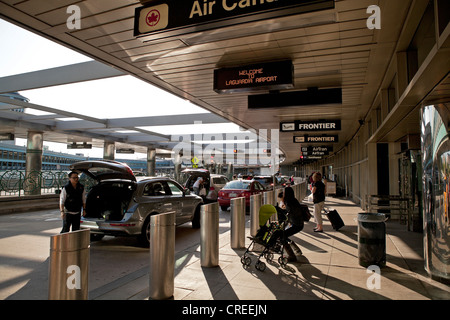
(71, 200)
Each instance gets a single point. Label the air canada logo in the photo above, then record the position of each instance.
(152, 18)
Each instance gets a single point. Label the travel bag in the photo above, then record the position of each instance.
(335, 219)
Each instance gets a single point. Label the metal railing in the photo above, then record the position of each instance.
(18, 183)
(395, 206)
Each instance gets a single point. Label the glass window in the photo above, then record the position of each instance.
(154, 189)
(174, 189)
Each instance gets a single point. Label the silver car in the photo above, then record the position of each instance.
(118, 205)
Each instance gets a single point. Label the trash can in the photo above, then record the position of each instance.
(372, 239)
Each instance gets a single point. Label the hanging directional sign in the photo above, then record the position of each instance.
(322, 125)
(275, 75)
(6, 136)
(174, 17)
(316, 139)
(311, 150)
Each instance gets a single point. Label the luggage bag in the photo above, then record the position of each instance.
(335, 219)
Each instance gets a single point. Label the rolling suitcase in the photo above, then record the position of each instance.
(335, 219)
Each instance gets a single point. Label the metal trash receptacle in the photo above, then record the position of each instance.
(372, 239)
(69, 266)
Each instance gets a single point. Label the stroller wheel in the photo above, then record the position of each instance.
(261, 266)
(246, 261)
(268, 256)
(282, 261)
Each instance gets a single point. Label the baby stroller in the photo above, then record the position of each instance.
(269, 235)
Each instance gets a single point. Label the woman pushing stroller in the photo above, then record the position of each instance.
(296, 221)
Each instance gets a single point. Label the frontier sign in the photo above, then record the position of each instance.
(325, 125)
(173, 17)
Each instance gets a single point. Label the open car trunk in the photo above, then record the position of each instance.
(109, 200)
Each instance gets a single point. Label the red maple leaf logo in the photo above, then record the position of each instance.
(153, 18)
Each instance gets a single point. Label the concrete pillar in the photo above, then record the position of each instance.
(384, 104)
(33, 165)
(372, 168)
(402, 71)
(394, 156)
(151, 162)
(109, 149)
(177, 164)
(230, 171)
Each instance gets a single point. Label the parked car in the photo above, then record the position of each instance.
(119, 205)
(217, 182)
(189, 176)
(239, 188)
(267, 181)
(212, 182)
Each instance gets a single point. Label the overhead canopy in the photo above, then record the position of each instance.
(329, 49)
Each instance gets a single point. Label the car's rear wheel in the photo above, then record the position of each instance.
(144, 237)
(196, 218)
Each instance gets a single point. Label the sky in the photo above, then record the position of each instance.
(23, 51)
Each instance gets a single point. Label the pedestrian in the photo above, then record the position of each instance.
(71, 201)
(198, 185)
(291, 180)
(318, 191)
(295, 219)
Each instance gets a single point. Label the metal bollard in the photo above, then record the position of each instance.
(268, 197)
(209, 235)
(162, 256)
(237, 223)
(69, 266)
(255, 205)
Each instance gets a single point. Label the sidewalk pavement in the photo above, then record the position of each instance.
(328, 269)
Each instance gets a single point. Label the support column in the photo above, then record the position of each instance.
(109, 149)
(372, 169)
(177, 164)
(394, 156)
(230, 171)
(151, 162)
(33, 165)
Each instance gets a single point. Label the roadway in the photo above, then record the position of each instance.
(25, 247)
(327, 270)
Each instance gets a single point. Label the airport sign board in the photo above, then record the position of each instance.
(276, 75)
(316, 139)
(321, 125)
(6, 136)
(174, 17)
(311, 150)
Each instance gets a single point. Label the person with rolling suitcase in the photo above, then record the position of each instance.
(318, 191)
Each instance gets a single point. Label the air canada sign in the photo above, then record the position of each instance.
(181, 17)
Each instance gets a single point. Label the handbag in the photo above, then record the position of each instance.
(202, 192)
(305, 212)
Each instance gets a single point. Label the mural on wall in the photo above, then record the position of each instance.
(435, 150)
